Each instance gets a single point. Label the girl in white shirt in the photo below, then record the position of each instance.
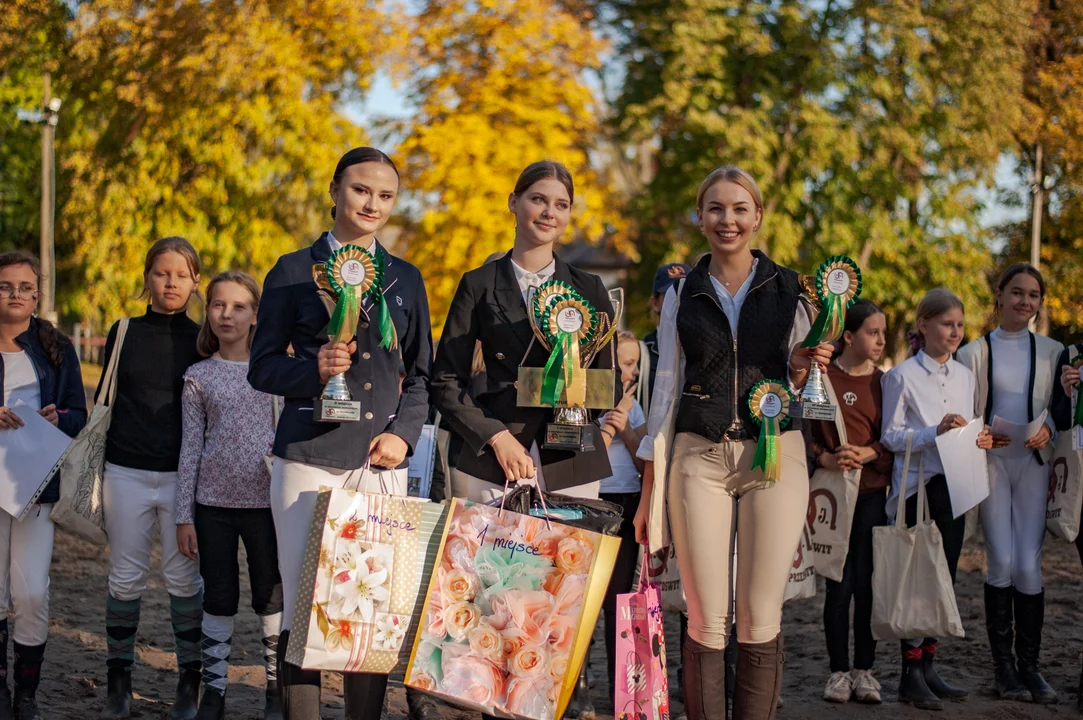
(1016, 371)
(930, 393)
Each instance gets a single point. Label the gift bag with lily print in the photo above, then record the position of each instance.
(511, 607)
(363, 581)
(641, 690)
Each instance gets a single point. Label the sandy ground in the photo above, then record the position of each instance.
(74, 675)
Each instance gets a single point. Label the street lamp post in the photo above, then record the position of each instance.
(47, 117)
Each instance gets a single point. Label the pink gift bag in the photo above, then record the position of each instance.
(642, 690)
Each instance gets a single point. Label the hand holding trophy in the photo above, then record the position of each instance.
(573, 332)
(349, 276)
(832, 289)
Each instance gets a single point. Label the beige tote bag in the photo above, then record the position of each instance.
(912, 594)
(802, 580)
(80, 508)
(1065, 498)
(831, 500)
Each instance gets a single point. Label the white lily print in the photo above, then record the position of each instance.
(360, 589)
(389, 633)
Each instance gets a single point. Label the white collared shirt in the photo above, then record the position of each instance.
(336, 245)
(671, 355)
(917, 394)
(527, 279)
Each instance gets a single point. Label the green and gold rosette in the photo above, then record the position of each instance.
(1077, 420)
(769, 402)
(350, 275)
(566, 323)
(836, 285)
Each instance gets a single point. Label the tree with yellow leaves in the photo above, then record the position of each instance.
(498, 85)
(218, 120)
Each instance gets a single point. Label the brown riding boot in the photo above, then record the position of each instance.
(704, 681)
(759, 680)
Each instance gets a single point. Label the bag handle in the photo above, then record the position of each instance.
(840, 423)
(109, 385)
(922, 501)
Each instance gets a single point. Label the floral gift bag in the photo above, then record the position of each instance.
(360, 599)
(511, 607)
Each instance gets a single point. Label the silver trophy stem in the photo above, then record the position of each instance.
(336, 389)
(814, 391)
(572, 416)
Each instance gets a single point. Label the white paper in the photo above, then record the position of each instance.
(965, 466)
(28, 458)
(1018, 434)
(419, 474)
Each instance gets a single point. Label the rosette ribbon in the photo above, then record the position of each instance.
(1077, 421)
(769, 402)
(350, 275)
(566, 321)
(837, 284)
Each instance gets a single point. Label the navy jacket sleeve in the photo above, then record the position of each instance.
(271, 369)
(1060, 406)
(71, 397)
(416, 347)
(451, 374)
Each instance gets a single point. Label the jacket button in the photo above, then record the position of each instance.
(368, 416)
(516, 384)
(365, 356)
(364, 326)
(500, 356)
(368, 386)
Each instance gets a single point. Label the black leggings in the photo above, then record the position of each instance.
(218, 531)
(856, 585)
(951, 529)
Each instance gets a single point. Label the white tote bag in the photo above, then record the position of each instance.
(1065, 499)
(831, 500)
(802, 580)
(912, 594)
(80, 508)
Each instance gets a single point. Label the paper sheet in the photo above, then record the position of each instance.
(28, 458)
(965, 466)
(1018, 434)
(419, 474)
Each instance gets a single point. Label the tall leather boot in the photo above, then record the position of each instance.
(298, 689)
(363, 694)
(912, 687)
(28, 659)
(998, 623)
(1030, 614)
(932, 678)
(759, 679)
(420, 706)
(704, 680)
(581, 706)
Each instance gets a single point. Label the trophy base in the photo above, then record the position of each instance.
(813, 411)
(328, 410)
(561, 436)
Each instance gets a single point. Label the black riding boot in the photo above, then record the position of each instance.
(998, 623)
(1030, 617)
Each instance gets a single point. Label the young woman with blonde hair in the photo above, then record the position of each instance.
(738, 320)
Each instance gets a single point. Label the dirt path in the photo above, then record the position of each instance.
(74, 676)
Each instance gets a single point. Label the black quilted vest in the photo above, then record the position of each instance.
(719, 371)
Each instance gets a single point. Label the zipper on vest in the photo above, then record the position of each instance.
(737, 425)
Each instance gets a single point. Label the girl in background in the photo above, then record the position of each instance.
(142, 453)
(856, 381)
(1015, 371)
(930, 393)
(224, 488)
(39, 367)
(623, 428)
